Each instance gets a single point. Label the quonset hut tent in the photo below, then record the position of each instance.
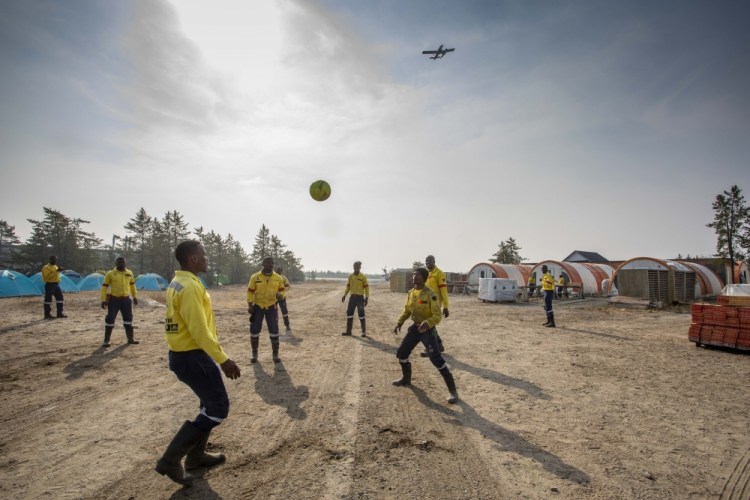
(590, 275)
(92, 281)
(151, 282)
(14, 284)
(661, 282)
(707, 283)
(66, 284)
(518, 272)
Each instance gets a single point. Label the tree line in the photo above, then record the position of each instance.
(148, 245)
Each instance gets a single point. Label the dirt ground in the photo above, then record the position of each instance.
(614, 403)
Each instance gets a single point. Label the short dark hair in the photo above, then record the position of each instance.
(424, 272)
(184, 250)
(358, 263)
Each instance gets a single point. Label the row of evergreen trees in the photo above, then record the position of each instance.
(148, 246)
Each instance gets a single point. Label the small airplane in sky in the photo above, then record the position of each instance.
(439, 53)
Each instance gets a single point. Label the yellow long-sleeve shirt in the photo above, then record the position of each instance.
(357, 285)
(190, 318)
(119, 283)
(548, 282)
(51, 273)
(262, 289)
(437, 282)
(421, 305)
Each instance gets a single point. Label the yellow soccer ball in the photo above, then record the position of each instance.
(320, 190)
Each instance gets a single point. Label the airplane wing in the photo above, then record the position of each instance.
(448, 50)
(429, 52)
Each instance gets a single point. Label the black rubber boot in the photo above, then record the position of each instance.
(551, 323)
(364, 326)
(60, 310)
(349, 323)
(197, 456)
(48, 311)
(448, 377)
(129, 334)
(107, 335)
(406, 375)
(547, 322)
(275, 350)
(254, 349)
(170, 464)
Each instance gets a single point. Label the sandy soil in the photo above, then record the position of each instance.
(615, 403)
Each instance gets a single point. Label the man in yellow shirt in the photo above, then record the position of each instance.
(357, 285)
(264, 291)
(282, 302)
(423, 307)
(51, 279)
(532, 284)
(548, 286)
(437, 282)
(195, 357)
(117, 287)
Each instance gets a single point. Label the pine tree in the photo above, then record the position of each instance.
(731, 215)
(261, 247)
(8, 235)
(238, 261)
(139, 228)
(507, 253)
(57, 234)
(8, 238)
(174, 230)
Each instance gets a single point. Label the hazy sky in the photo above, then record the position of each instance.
(606, 126)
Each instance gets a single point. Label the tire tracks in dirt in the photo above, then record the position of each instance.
(737, 486)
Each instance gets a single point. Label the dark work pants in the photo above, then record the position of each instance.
(198, 371)
(355, 302)
(284, 312)
(272, 321)
(116, 305)
(52, 289)
(548, 296)
(429, 339)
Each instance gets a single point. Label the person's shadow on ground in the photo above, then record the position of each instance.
(95, 360)
(485, 373)
(278, 389)
(505, 440)
(200, 488)
(21, 326)
(290, 338)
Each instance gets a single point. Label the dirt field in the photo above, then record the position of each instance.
(614, 403)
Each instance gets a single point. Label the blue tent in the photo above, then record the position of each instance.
(66, 284)
(13, 284)
(91, 282)
(151, 281)
(74, 276)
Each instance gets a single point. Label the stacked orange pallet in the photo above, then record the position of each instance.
(720, 325)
